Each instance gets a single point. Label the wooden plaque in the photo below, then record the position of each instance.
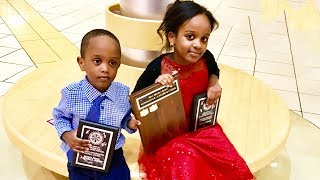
(103, 139)
(202, 115)
(161, 112)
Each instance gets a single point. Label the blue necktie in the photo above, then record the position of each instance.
(94, 112)
(93, 116)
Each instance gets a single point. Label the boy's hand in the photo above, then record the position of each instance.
(213, 93)
(76, 144)
(133, 123)
(165, 79)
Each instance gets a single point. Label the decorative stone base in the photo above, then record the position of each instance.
(138, 37)
(36, 172)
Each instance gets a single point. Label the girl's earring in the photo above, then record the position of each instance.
(172, 46)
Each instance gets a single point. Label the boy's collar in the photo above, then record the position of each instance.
(111, 92)
(92, 93)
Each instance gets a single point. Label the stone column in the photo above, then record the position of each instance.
(144, 9)
(135, 23)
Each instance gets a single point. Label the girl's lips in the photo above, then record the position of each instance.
(193, 53)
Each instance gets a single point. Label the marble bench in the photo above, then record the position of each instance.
(251, 113)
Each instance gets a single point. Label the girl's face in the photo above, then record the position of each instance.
(191, 41)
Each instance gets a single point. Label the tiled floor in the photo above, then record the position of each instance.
(277, 41)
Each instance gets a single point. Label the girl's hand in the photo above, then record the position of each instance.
(165, 79)
(213, 93)
(76, 144)
(133, 123)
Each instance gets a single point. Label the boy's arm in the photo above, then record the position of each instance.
(125, 121)
(63, 124)
(62, 116)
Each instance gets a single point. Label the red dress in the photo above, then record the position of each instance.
(200, 155)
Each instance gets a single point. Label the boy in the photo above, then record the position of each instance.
(100, 59)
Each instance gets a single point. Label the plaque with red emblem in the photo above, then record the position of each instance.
(103, 139)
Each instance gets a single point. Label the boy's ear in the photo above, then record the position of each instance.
(81, 63)
(171, 38)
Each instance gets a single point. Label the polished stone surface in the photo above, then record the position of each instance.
(274, 40)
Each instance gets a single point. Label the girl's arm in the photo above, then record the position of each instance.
(211, 64)
(214, 88)
(150, 74)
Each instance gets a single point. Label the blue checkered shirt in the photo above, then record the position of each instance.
(76, 101)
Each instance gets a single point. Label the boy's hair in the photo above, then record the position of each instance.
(180, 12)
(95, 33)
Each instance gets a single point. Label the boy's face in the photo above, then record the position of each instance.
(191, 41)
(101, 61)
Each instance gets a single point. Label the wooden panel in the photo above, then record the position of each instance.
(160, 110)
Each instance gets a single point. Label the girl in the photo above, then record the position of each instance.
(206, 153)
